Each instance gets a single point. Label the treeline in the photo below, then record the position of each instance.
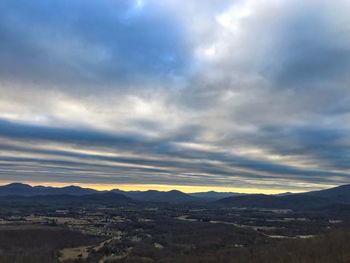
(31, 244)
(333, 247)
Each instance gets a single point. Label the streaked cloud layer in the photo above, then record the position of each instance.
(244, 94)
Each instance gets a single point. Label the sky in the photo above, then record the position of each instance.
(238, 95)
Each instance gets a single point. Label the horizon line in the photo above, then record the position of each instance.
(162, 187)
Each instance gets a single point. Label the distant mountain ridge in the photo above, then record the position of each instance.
(27, 190)
(309, 200)
(341, 194)
(19, 189)
(316, 199)
(173, 196)
(66, 200)
(295, 201)
(213, 195)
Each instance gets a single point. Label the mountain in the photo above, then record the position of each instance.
(71, 190)
(16, 189)
(309, 200)
(283, 194)
(295, 201)
(27, 190)
(172, 196)
(65, 201)
(19, 189)
(339, 194)
(212, 195)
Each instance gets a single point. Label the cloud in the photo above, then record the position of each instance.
(242, 92)
(90, 42)
(73, 154)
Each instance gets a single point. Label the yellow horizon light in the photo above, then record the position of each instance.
(160, 187)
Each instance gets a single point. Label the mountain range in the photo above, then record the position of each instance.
(309, 200)
(212, 195)
(19, 189)
(27, 190)
(172, 196)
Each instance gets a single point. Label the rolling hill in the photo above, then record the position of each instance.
(172, 196)
(27, 190)
(308, 200)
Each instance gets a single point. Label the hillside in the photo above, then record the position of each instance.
(292, 201)
(173, 196)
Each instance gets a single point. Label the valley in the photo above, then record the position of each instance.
(111, 227)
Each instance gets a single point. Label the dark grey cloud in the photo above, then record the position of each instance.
(90, 42)
(329, 146)
(163, 159)
(309, 52)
